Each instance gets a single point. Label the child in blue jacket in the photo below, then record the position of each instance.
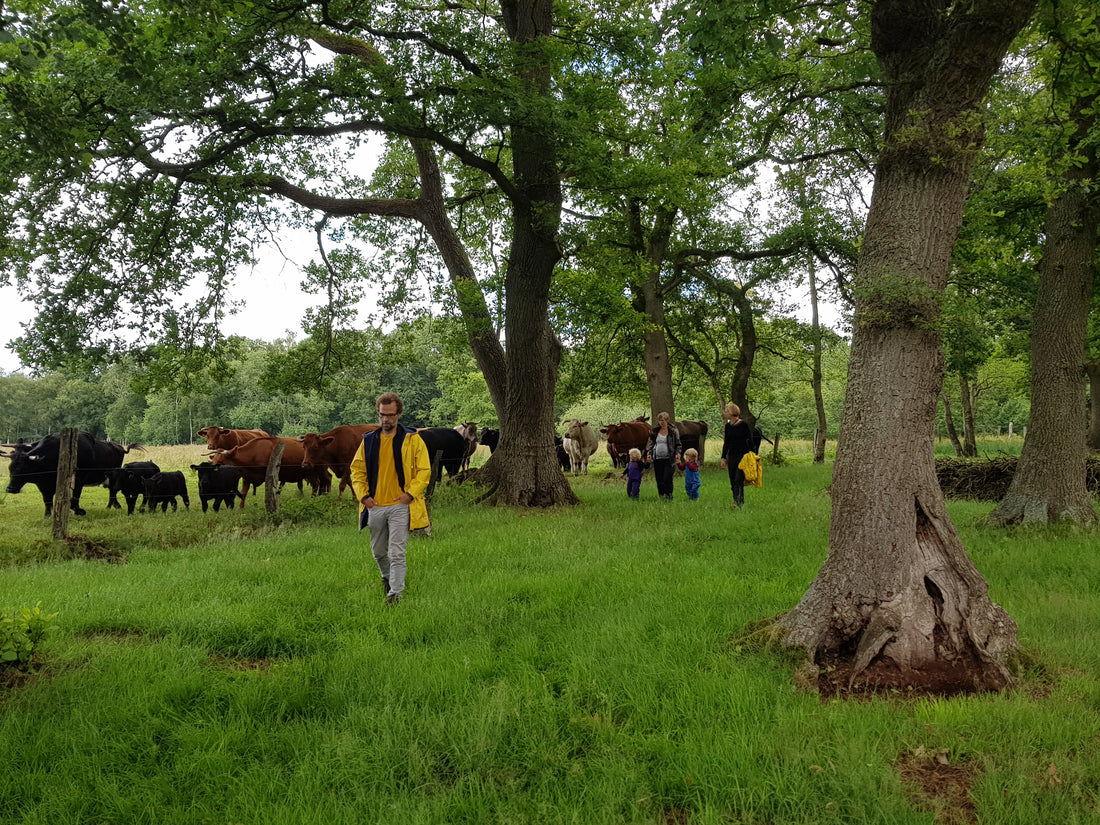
(690, 466)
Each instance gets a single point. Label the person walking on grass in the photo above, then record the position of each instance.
(633, 473)
(690, 466)
(663, 451)
(736, 442)
(389, 474)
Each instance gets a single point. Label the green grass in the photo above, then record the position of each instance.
(582, 665)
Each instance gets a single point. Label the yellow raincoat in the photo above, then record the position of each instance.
(418, 472)
(754, 472)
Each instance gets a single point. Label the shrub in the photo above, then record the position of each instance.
(21, 632)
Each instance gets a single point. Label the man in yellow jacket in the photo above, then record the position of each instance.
(389, 474)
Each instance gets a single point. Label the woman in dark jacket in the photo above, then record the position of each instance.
(663, 450)
(736, 441)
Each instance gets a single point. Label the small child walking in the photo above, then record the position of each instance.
(634, 474)
(690, 466)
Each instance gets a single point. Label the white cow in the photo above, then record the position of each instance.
(580, 442)
(468, 429)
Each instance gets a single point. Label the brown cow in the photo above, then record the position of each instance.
(219, 438)
(693, 433)
(622, 437)
(334, 450)
(252, 457)
(468, 430)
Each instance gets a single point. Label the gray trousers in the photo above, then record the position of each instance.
(389, 533)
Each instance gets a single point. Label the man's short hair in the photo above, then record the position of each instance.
(390, 398)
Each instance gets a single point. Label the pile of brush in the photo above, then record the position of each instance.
(987, 479)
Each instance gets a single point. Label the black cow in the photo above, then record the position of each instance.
(129, 479)
(163, 488)
(490, 437)
(693, 435)
(451, 442)
(564, 461)
(219, 483)
(37, 464)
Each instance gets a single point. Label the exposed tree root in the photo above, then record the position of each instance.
(1020, 508)
(933, 631)
(532, 490)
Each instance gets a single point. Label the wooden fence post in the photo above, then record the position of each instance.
(436, 473)
(775, 450)
(271, 480)
(66, 480)
(430, 491)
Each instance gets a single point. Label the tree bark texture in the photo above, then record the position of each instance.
(1049, 483)
(898, 602)
(271, 479)
(66, 481)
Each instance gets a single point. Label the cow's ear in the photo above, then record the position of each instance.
(327, 440)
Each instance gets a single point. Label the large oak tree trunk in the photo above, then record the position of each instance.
(898, 601)
(1049, 483)
(524, 471)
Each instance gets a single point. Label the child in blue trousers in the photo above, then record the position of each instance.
(690, 466)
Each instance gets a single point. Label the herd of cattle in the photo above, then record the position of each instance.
(238, 461)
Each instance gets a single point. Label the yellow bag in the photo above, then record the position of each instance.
(752, 468)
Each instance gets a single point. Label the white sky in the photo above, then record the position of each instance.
(274, 301)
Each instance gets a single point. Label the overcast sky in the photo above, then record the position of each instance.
(274, 304)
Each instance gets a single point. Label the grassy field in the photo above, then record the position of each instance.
(586, 665)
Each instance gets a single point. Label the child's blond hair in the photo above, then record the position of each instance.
(690, 454)
(635, 454)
